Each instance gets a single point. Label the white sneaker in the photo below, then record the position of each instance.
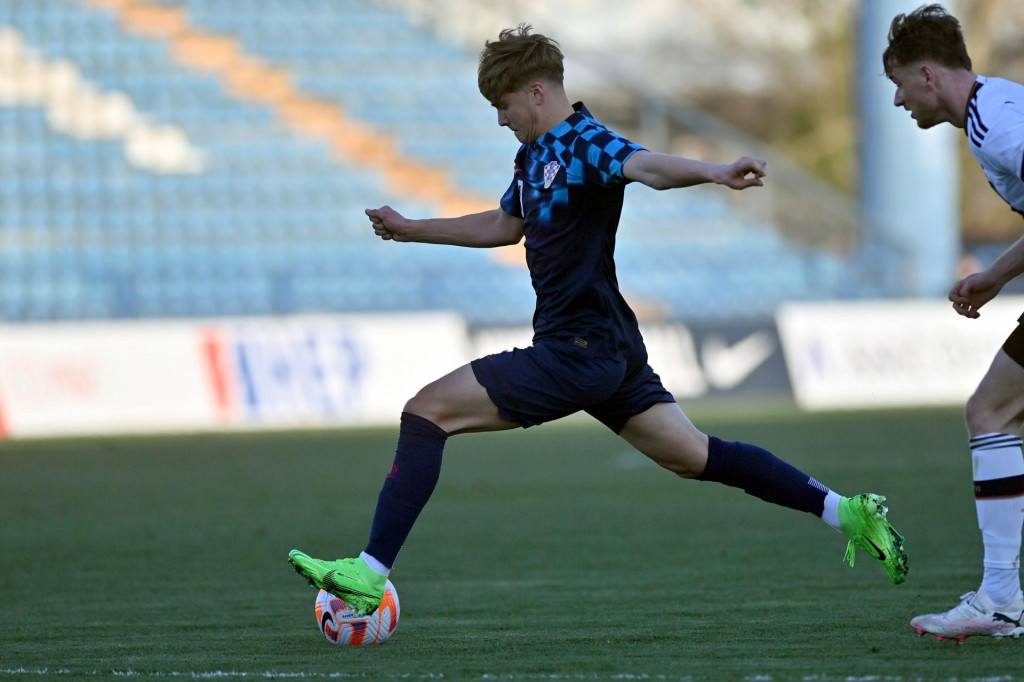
(974, 615)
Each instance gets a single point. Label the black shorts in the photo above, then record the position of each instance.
(558, 377)
(1014, 344)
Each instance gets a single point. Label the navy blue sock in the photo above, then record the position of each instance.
(763, 475)
(407, 488)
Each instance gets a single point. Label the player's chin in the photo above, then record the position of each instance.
(920, 123)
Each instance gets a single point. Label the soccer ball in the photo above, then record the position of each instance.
(341, 625)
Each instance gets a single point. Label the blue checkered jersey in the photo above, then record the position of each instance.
(568, 189)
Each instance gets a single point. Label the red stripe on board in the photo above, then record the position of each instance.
(216, 366)
(4, 433)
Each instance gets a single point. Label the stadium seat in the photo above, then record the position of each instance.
(134, 185)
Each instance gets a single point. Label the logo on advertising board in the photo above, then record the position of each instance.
(290, 373)
(729, 365)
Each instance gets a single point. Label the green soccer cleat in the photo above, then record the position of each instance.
(350, 579)
(862, 519)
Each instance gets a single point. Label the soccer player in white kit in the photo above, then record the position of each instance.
(927, 60)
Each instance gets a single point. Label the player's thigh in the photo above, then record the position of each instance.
(457, 403)
(997, 405)
(664, 433)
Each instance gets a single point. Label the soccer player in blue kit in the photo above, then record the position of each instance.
(927, 60)
(587, 354)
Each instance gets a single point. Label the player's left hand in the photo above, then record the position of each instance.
(745, 172)
(972, 292)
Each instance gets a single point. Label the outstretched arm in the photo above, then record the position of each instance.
(974, 291)
(665, 171)
(480, 230)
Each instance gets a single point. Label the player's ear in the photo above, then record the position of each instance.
(929, 73)
(537, 92)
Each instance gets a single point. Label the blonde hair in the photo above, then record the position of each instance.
(515, 58)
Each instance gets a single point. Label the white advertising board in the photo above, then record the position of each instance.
(64, 379)
(338, 370)
(890, 353)
(168, 376)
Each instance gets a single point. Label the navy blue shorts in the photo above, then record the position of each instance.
(558, 377)
(1014, 344)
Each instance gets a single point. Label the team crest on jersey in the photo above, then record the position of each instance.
(550, 171)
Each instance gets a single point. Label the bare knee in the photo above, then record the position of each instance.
(997, 405)
(688, 470)
(416, 405)
(457, 403)
(984, 415)
(422, 405)
(975, 415)
(687, 459)
(667, 436)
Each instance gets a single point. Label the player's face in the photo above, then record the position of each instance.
(517, 111)
(916, 93)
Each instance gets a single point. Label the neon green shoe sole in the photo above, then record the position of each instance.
(862, 519)
(351, 579)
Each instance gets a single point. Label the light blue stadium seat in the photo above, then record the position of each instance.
(274, 221)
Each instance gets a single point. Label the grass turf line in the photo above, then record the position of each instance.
(545, 554)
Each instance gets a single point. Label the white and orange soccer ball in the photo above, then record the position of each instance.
(341, 625)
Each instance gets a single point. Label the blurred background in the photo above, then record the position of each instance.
(211, 159)
(183, 249)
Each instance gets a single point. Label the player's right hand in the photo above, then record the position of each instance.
(385, 220)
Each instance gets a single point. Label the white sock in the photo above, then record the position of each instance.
(374, 564)
(1000, 584)
(830, 514)
(999, 500)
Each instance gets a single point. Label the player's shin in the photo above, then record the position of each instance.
(999, 500)
(763, 475)
(407, 488)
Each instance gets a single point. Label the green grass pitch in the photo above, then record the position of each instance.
(555, 553)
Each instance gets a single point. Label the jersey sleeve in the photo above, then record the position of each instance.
(512, 201)
(1004, 146)
(604, 154)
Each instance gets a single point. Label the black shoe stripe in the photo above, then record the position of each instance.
(338, 590)
(881, 555)
(1006, 619)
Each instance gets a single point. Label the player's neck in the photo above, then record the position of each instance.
(554, 112)
(959, 87)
